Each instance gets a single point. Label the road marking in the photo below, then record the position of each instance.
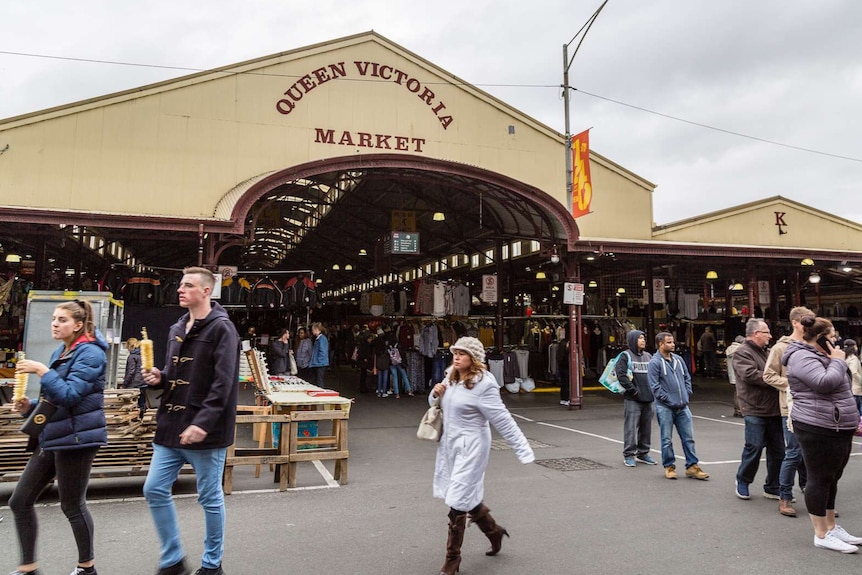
(742, 423)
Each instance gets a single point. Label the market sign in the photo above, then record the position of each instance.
(489, 288)
(573, 293)
(405, 243)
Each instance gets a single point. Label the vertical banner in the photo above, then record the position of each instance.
(582, 186)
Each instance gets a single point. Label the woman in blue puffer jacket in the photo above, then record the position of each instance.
(824, 418)
(74, 382)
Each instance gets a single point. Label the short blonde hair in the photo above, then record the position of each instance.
(132, 343)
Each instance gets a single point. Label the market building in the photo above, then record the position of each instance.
(331, 181)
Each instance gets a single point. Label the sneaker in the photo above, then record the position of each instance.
(773, 496)
(742, 490)
(564, 402)
(82, 571)
(645, 458)
(833, 543)
(207, 571)
(629, 461)
(670, 471)
(695, 472)
(34, 572)
(841, 534)
(175, 569)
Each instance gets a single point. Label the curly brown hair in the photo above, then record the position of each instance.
(477, 368)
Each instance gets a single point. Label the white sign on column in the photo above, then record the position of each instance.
(489, 288)
(658, 290)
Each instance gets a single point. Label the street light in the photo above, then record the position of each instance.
(567, 63)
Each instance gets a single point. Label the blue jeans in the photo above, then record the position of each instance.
(164, 469)
(637, 428)
(397, 372)
(792, 463)
(762, 432)
(382, 381)
(681, 418)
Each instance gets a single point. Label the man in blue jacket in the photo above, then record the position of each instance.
(671, 386)
(638, 414)
(195, 421)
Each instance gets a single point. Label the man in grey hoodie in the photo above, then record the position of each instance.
(671, 385)
(637, 423)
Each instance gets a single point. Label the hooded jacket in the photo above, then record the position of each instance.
(821, 389)
(75, 383)
(638, 362)
(756, 397)
(669, 381)
(201, 381)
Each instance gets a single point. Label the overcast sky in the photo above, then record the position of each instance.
(786, 71)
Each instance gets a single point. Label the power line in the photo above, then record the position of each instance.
(542, 86)
(731, 132)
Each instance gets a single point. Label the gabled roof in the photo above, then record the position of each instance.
(758, 204)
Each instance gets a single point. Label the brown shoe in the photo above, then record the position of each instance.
(670, 471)
(786, 508)
(695, 472)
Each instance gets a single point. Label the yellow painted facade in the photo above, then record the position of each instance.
(773, 222)
(176, 148)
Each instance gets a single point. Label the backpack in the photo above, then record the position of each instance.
(609, 375)
(394, 356)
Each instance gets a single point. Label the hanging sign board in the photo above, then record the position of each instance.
(405, 243)
(489, 288)
(573, 294)
(763, 292)
(658, 291)
(403, 221)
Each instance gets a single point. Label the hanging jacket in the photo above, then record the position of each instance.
(75, 383)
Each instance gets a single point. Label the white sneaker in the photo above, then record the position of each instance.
(833, 543)
(841, 534)
(564, 402)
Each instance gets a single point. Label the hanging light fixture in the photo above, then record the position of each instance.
(593, 283)
(336, 267)
(621, 290)
(712, 275)
(814, 278)
(13, 259)
(362, 252)
(736, 287)
(807, 262)
(540, 275)
(439, 217)
(348, 267)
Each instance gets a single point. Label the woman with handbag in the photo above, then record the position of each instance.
(470, 399)
(73, 382)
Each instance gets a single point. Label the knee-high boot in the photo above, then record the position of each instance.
(482, 517)
(457, 525)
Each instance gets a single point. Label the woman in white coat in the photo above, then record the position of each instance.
(470, 399)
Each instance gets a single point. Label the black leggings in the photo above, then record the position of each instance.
(71, 467)
(825, 453)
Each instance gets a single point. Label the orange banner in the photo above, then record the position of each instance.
(582, 186)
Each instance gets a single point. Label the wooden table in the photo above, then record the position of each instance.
(303, 407)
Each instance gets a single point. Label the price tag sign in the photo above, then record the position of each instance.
(573, 294)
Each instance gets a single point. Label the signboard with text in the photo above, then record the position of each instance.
(573, 294)
(405, 243)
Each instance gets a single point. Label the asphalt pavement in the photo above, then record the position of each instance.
(580, 511)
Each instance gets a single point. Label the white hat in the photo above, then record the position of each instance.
(472, 346)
